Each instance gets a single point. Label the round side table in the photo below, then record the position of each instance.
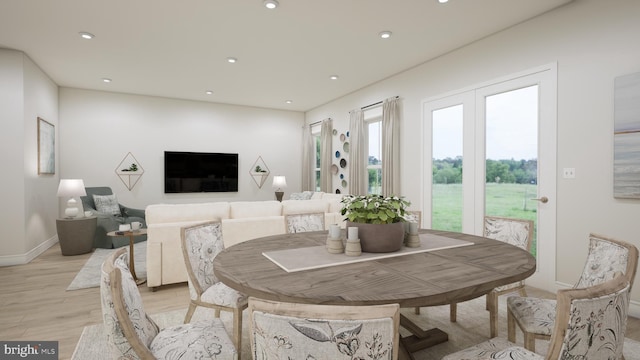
(76, 234)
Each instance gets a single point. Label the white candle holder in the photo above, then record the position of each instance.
(335, 246)
(413, 241)
(353, 248)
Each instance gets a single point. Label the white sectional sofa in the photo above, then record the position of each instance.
(241, 221)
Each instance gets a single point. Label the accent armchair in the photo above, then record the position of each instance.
(110, 216)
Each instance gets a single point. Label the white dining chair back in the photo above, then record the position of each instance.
(282, 330)
(132, 334)
(296, 223)
(536, 317)
(517, 232)
(201, 243)
(590, 324)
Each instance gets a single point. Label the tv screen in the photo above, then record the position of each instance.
(190, 172)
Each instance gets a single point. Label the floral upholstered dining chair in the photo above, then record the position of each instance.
(282, 331)
(590, 324)
(132, 334)
(517, 232)
(535, 316)
(296, 223)
(201, 243)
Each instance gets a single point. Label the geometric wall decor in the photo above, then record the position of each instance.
(129, 171)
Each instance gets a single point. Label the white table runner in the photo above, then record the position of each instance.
(315, 257)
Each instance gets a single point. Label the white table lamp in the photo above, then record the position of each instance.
(279, 183)
(71, 188)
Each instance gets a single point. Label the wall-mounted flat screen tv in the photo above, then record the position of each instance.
(192, 172)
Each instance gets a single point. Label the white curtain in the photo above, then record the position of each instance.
(391, 147)
(357, 154)
(325, 155)
(308, 165)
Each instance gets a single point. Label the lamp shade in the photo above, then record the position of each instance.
(71, 187)
(279, 182)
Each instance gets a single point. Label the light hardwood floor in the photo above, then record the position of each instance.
(34, 304)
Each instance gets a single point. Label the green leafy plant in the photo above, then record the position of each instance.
(259, 169)
(374, 209)
(133, 167)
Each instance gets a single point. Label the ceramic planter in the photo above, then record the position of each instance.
(380, 238)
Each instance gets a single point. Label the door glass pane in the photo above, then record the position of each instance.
(512, 154)
(446, 192)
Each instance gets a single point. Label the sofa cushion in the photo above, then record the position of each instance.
(162, 213)
(334, 201)
(304, 207)
(249, 209)
(107, 204)
(235, 231)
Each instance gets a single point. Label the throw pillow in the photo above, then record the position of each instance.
(305, 195)
(107, 204)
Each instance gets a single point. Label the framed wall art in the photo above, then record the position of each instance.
(626, 137)
(46, 147)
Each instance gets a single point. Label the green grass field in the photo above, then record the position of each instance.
(506, 200)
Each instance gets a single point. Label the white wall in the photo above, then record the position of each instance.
(98, 129)
(593, 42)
(28, 221)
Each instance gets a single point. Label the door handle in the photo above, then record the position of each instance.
(543, 199)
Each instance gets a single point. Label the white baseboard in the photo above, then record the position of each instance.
(20, 259)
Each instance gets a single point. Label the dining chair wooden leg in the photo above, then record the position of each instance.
(417, 310)
(523, 292)
(453, 312)
(511, 327)
(237, 330)
(529, 341)
(190, 311)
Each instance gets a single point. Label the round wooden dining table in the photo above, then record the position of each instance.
(420, 279)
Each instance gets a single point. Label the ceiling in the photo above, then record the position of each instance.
(179, 49)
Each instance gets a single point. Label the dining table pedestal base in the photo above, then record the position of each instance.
(420, 339)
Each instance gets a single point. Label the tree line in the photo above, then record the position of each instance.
(449, 171)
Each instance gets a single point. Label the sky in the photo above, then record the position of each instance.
(511, 127)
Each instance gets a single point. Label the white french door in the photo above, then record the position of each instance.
(491, 150)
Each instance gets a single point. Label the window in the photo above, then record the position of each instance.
(373, 121)
(315, 136)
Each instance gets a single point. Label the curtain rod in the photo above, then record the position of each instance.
(318, 122)
(374, 104)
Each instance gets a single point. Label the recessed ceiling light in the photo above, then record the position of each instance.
(289, 101)
(106, 80)
(86, 35)
(333, 77)
(385, 34)
(271, 4)
(209, 92)
(443, 1)
(232, 60)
